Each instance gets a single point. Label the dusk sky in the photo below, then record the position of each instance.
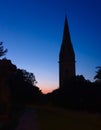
(32, 32)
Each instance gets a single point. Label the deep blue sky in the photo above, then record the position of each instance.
(32, 32)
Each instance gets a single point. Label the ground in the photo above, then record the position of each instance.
(55, 118)
(52, 118)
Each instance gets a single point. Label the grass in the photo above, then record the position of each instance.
(52, 118)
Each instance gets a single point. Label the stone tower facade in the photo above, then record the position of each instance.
(66, 57)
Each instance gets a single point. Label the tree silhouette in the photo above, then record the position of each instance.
(26, 76)
(2, 50)
(23, 87)
(98, 74)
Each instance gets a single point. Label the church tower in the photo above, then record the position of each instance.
(66, 57)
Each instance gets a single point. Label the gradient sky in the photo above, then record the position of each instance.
(32, 32)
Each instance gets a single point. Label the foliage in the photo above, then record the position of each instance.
(2, 50)
(26, 76)
(23, 87)
(98, 73)
(6, 68)
(20, 83)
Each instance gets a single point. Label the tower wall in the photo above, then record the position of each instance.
(66, 58)
(66, 72)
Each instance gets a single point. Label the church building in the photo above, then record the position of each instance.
(66, 57)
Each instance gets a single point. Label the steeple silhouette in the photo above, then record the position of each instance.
(66, 57)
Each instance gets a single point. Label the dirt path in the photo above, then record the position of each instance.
(28, 121)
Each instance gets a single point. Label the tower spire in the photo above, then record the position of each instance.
(66, 56)
(66, 33)
(66, 47)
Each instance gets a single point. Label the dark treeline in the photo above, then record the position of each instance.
(17, 86)
(78, 94)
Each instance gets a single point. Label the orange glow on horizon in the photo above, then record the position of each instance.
(46, 90)
(47, 86)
